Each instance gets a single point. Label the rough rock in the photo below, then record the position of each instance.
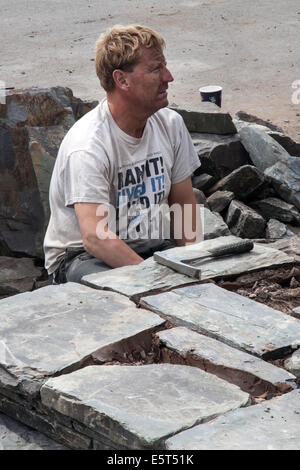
(219, 200)
(250, 373)
(199, 196)
(219, 155)
(289, 246)
(17, 275)
(273, 425)
(138, 407)
(32, 125)
(275, 162)
(250, 118)
(244, 221)
(274, 208)
(203, 181)
(243, 182)
(205, 117)
(276, 229)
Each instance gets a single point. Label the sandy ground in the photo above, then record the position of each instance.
(251, 49)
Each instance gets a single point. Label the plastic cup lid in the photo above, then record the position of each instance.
(210, 89)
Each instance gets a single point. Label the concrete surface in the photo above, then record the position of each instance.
(251, 49)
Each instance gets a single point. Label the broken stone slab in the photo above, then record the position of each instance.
(219, 154)
(250, 373)
(244, 222)
(17, 275)
(251, 119)
(16, 436)
(237, 321)
(290, 246)
(243, 182)
(293, 363)
(219, 200)
(139, 407)
(275, 208)
(278, 230)
(59, 328)
(272, 425)
(150, 276)
(274, 161)
(206, 118)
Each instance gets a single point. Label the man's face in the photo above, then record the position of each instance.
(148, 82)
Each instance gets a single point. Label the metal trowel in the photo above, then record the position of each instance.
(189, 267)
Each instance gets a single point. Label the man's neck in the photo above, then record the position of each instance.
(127, 119)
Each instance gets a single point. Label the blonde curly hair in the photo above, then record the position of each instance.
(120, 48)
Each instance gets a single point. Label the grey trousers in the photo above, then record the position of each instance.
(78, 263)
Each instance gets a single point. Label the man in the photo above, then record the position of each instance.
(124, 160)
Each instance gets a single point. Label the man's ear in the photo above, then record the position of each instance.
(120, 78)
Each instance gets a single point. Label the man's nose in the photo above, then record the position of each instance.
(167, 76)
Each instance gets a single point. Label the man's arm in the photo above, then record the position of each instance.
(186, 222)
(99, 241)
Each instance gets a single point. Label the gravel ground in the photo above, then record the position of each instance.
(251, 49)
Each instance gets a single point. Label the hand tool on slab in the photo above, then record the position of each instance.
(184, 266)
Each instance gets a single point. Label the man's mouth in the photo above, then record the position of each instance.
(163, 94)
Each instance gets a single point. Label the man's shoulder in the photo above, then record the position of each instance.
(169, 115)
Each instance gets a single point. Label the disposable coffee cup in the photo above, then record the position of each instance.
(211, 93)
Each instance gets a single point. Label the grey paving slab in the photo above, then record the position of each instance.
(138, 407)
(149, 276)
(16, 436)
(57, 327)
(273, 425)
(235, 320)
(249, 372)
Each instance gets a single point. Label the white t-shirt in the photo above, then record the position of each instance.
(99, 163)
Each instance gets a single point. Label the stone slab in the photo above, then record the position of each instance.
(249, 371)
(16, 436)
(149, 276)
(138, 407)
(56, 328)
(273, 425)
(235, 320)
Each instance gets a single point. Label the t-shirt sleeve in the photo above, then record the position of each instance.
(86, 178)
(186, 160)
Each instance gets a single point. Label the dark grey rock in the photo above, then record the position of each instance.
(274, 208)
(292, 147)
(206, 117)
(272, 425)
(220, 155)
(244, 221)
(203, 181)
(250, 118)
(274, 161)
(243, 182)
(199, 196)
(17, 275)
(219, 200)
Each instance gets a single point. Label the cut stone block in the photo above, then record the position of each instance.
(273, 425)
(149, 276)
(138, 407)
(56, 329)
(15, 436)
(250, 373)
(235, 320)
(206, 117)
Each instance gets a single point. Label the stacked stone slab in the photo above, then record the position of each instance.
(255, 162)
